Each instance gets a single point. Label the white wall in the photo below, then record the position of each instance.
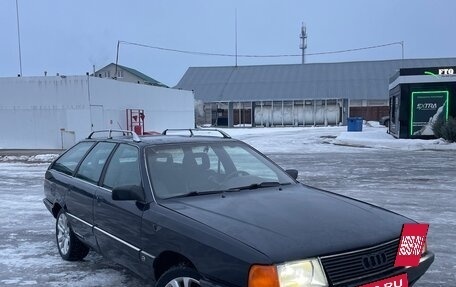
(163, 107)
(38, 112)
(33, 110)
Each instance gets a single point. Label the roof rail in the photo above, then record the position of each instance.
(124, 132)
(193, 131)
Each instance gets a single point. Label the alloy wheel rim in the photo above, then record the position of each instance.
(183, 282)
(63, 234)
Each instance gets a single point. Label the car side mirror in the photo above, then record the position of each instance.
(293, 173)
(128, 192)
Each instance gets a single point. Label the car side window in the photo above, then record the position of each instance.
(68, 162)
(123, 169)
(92, 166)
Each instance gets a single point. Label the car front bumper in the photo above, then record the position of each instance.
(413, 273)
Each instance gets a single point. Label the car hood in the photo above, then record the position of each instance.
(292, 222)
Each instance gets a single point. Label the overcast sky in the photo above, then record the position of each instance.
(70, 37)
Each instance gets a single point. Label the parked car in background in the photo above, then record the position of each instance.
(198, 210)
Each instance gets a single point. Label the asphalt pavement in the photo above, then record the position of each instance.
(418, 184)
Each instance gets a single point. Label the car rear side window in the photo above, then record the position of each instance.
(123, 169)
(92, 166)
(68, 162)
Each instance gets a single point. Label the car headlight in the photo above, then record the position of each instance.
(305, 273)
(302, 273)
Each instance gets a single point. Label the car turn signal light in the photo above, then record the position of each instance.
(263, 276)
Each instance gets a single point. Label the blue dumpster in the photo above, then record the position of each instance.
(355, 124)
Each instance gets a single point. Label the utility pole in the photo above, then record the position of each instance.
(303, 45)
(19, 38)
(402, 45)
(117, 58)
(235, 39)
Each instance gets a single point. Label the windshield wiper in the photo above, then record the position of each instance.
(196, 193)
(251, 186)
(259, 185)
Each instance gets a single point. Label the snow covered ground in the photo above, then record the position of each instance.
(313, 139)
(412, 177)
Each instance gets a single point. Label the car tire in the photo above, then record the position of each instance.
(181, 276)
(69, 246)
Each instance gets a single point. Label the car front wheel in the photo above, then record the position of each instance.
(70, 247)
(179, 276)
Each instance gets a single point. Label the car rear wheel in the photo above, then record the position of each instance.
(69, 246)
(179, 276)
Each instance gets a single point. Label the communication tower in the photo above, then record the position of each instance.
(303, 45)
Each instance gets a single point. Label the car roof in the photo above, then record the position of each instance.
(168, 136)
(166, 139)
(162, 139)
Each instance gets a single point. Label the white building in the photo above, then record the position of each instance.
(55, 112)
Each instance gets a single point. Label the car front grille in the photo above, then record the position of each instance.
(341, 269)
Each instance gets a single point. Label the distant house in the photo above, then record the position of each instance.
(126, 74)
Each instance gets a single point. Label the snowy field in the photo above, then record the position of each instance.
(413, 177)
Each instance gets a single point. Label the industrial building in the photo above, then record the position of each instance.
(295, 94)
(55, 112)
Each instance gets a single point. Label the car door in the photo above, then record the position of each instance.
(118, 223)
(59, 176)
(81, 193)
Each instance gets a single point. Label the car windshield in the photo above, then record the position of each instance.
(207, 168)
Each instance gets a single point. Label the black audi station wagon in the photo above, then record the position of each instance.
(196, 209)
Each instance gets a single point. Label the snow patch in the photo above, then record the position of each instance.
(29, 158)
(379, 139)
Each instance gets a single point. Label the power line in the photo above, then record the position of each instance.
(199, 53)
(356, 49)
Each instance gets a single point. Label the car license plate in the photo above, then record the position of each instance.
(395, 281)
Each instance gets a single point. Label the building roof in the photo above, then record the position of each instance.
(144, 77)
(353, 80)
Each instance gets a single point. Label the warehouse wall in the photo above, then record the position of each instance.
(33, 110)
(54, 112)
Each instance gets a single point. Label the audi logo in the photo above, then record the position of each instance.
(374, 260)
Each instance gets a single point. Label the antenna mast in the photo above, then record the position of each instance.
(303, 45)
